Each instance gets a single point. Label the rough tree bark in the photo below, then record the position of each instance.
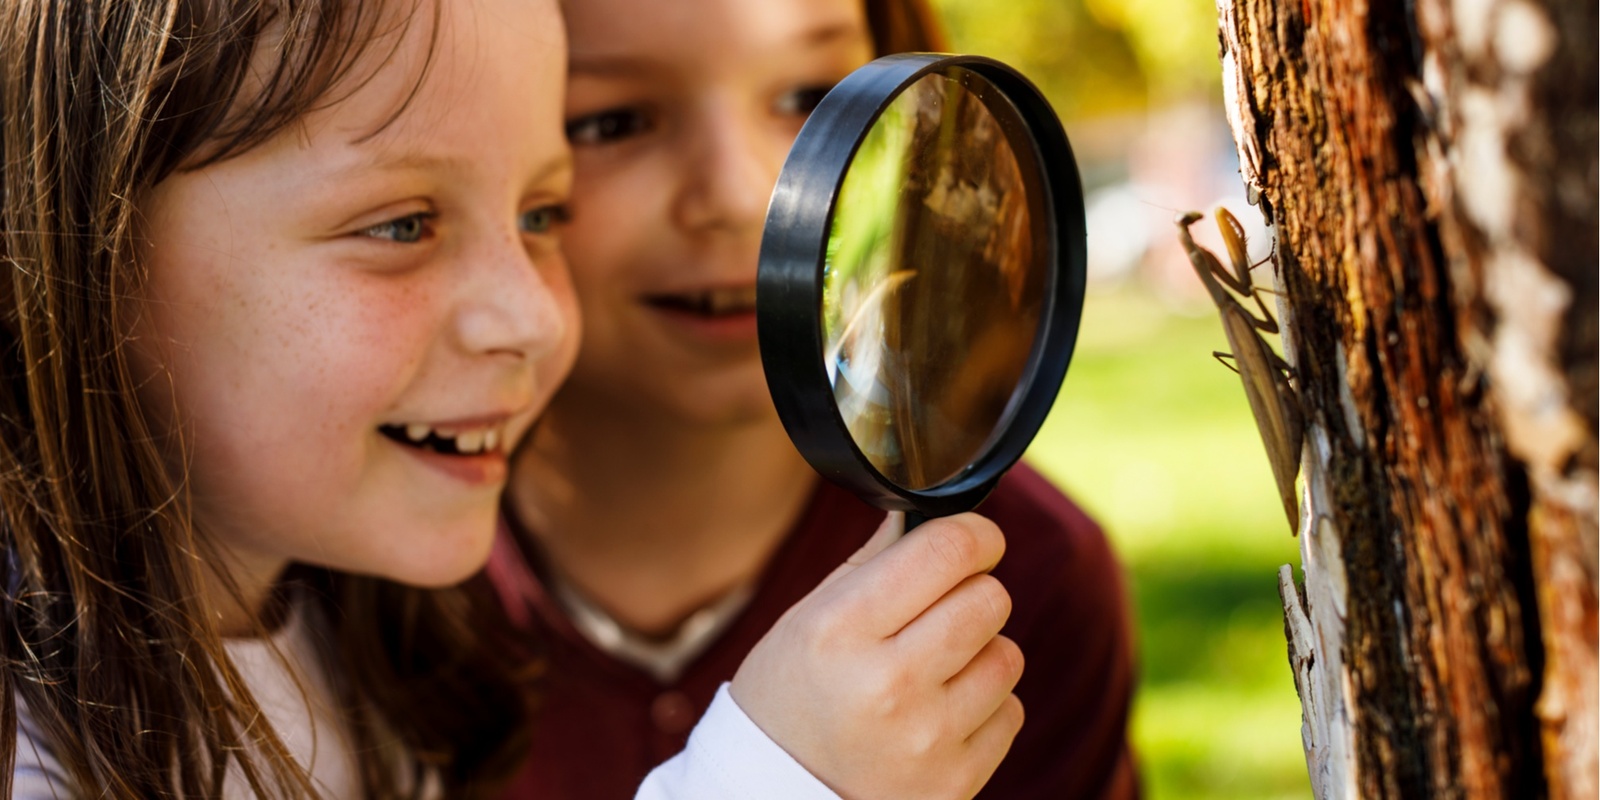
(1430, 169)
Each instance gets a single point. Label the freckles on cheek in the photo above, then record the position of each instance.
(388, 332)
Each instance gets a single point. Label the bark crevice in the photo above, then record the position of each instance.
(1433, 192)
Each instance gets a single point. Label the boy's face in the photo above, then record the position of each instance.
(681, 114)
(317, 303)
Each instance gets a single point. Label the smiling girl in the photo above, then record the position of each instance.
(250, 251)
(281, 288)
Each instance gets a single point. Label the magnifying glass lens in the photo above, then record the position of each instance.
(935, 278)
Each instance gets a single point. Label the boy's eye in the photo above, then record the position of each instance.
(801, 102)
(408, 229)
(607, 126)
(544, 219)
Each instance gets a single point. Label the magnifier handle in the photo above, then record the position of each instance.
(913, 519)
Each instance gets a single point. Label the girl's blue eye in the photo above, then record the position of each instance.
(544, 219)
(408, 229)
(802, 101)
(607, 126)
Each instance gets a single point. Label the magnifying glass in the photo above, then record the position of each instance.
(921, 280)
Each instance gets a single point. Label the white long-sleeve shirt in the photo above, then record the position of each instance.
(728, 757)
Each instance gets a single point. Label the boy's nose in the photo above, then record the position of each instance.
(728, 175)
(515, 304)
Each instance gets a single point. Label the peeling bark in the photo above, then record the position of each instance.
(1510, 158)
(1432, 178)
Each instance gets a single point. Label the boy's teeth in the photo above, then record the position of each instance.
(722, 301)
(417, 431)
(712, 302)
(491, 439)
(470, 442)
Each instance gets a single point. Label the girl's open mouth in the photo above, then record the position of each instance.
(463, 441)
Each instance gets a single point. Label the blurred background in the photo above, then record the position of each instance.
(1150, 433)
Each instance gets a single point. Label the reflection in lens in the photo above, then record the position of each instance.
(935, 278)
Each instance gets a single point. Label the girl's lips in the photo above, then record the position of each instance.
(477, 470)
(470, 450)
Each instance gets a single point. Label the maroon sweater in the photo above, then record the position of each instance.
(603, 724)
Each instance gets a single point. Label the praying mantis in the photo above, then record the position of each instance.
(1264, 373)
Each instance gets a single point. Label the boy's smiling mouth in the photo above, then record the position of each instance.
(711, 303)
(450, 440)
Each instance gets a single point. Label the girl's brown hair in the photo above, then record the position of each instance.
(105, 640)
(904, 26)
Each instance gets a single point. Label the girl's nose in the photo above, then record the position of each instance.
(514, 302)
(728, 175)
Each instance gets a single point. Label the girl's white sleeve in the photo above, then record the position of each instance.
(35, 774)
(729, 758)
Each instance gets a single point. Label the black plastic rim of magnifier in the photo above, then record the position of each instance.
(790, 281)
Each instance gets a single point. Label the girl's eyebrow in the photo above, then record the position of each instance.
(405, 161)
(413, 161)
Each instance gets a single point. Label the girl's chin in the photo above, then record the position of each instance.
(445, 561)
(437, 575)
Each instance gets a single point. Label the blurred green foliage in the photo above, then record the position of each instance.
(1095, 57)
(1175, 41)
(1154, 438)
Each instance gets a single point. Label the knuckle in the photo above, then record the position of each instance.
(956, 545)
(825, 629)
(922, 741)
(996, 600)
(1009, 654)
(975, 770)
(990, 540)
(1013, 714)
(981, 604)
(884, 690)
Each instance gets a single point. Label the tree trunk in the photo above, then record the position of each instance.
(1430, 169)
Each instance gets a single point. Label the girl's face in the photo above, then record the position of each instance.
(680, 115)
(317, 305)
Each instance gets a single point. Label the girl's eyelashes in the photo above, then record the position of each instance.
(802, 101)
(414, 228)
(607, 126)
(409, 229)
(545, 219)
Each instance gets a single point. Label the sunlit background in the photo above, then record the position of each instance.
(1150, 433)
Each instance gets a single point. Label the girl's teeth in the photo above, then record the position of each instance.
(470, 442)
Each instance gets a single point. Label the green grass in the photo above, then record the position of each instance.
(1154, 437)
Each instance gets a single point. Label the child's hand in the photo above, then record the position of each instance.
(890, 679)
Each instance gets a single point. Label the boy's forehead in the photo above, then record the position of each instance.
(617, 32)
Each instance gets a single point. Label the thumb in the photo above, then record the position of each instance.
(889, 532)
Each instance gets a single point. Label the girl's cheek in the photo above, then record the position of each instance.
(385, 316)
